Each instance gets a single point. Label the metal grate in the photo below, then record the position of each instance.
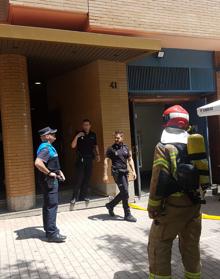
(202, 79)
(141, 78)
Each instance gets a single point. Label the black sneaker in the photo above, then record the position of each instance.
(73, 201)
(57, 238)
(130, 218)
(110, 210)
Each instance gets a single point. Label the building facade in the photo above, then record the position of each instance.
(65, 60)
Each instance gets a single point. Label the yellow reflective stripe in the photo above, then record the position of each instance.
(177, 194)
(190, 275)
(173, 153)
(154, 202)
(173, 158)
(162, 162)
(154, 276)
(173, 166)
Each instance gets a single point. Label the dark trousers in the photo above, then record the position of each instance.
(50, 207)
(121, 179)
(83, 175)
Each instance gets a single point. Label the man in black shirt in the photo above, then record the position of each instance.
(120, 156)
(87, 149)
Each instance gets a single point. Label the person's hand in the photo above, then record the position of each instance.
(134, 175)
(80, 134)
(52, 174)
(98, 159)
(105, 178)
(62, 176)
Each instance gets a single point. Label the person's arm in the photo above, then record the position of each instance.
(97, 153)
(131, 164)
(105, 176)
(74, 142)
(160, 164)
(39, 164)
(96, 149)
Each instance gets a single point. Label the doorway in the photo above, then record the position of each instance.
(42, 117)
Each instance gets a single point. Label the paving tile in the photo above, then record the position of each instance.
(97, 247)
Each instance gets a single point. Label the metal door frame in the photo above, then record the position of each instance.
(135, 150)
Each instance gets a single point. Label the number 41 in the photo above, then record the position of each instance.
(113, 84)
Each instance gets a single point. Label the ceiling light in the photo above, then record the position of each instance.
(38, 83)
(160, 54)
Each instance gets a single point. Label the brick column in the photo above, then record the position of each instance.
(17, 135)
(114, 108)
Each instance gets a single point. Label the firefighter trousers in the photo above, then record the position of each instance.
(184, 222)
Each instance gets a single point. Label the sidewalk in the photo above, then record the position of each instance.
(98, 246)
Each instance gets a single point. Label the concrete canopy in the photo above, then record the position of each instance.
(51, 52)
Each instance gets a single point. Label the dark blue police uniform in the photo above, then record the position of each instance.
(119, 154)
(48, 154)
(84, 164)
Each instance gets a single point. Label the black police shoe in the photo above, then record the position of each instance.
(62, 236)
(110, 210)
(57, 238)
(130, 218)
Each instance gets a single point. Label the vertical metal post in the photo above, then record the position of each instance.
(208, 149)
(136, 151)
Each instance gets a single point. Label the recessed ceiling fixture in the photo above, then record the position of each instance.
(38, 83)
(160, 54)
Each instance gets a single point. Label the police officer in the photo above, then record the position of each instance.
(87, 150)
(120, 155)
(47, 162)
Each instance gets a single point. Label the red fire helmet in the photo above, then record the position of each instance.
(176, 117)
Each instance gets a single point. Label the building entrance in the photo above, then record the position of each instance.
(75, 72)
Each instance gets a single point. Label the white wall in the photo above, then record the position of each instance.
(149, 125)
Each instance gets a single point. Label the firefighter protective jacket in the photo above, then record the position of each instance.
(164, 166)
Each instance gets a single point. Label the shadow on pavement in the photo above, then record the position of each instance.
(30, 232)
(27, 269)
(127, 251)
(105, 217)
(133, 254)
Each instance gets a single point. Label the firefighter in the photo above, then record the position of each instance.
(174, 210)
